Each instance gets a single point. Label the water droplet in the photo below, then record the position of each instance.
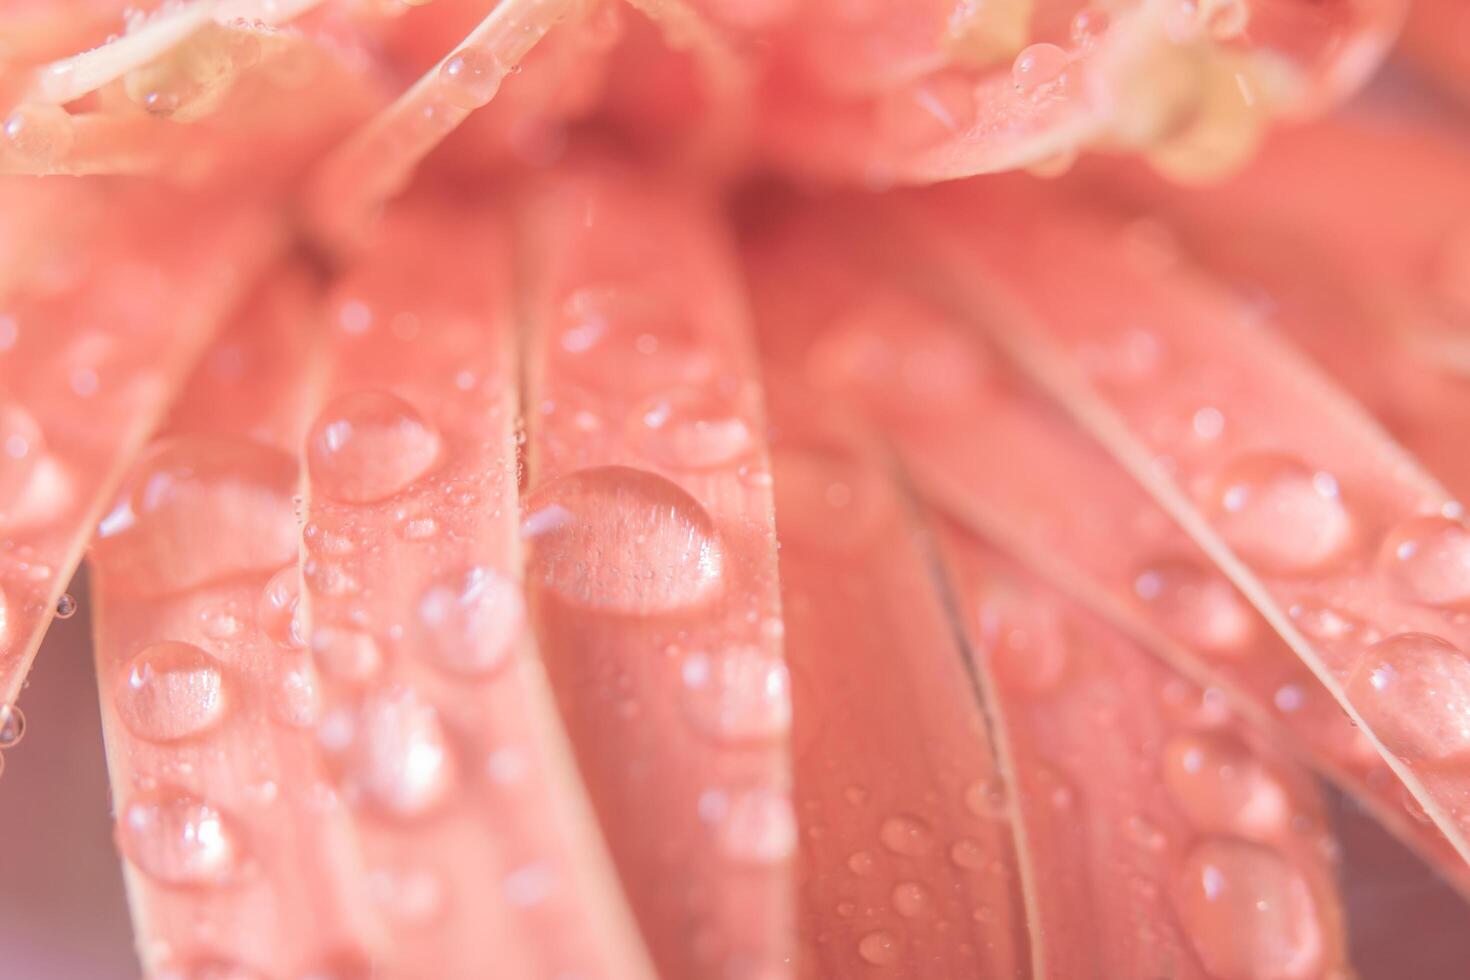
(969, 855)
(12, 726)
(880, 948)
(758, 828)
(1088, 25)
(200, 511)
(1323, 622)
(470, 621)
(741, 695)
(470, 77)
(346, 654)
(170, 690)
(906, 835)
(368, 446)
(987, 798)
(638, 333)
(1428, 559)
(1413, 692)
(691, 429)
(1249, 913)
(1224, 788)
(1282, 516)
(1029, 646)
(1037, 68)
(179, 841)
(277, 610)
(1145, 833)
(1197, 605)
(912, 900)
(295, 697)
(66, 606)
(40, 133)
(861, 863)
(401, 753)
(21, 448)
(622, 540)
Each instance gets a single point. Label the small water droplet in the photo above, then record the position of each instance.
(861, 863)
(1088, 25)
(741, 695)
(1224, 788)
(277, 610)
(169, 691)
(622, 540)
(12, 726)
(66, 606)
(1249, 913)
(969, 855)
(1038, 67)
(1413, 691)
(295, 697)
(912, 900)
(907, 835)
(40, 133)
(880, 948)
(470, 77)
(1428, 559)
(987, 798)
(469, 622)
(179, 841)
(1278, 514)
(368, 446)
(345, 654)
(22, 446)
(638, 333)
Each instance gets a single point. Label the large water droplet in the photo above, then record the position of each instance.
(369, 445)
(1037, 68)
(1278, 514)
(40, 133)
(738, 696)
(1249, 913)
(691, 429)
(1428, 559)
(179, 841)
(907, 835)
(200, 511)
(1198, 606)
(469, 622)
(758, 828)
(622, 540)
(169, 691)
(1224, 788)
(1413, 692)
(401, 755)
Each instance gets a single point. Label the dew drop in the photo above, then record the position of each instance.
(1282, 516)
(179, 841)
(40, 133)
(622, 540)
(278, 609)
(470, 77)
(1413, 692)
(758, 828)
(21, 448)
(742, 695)
(861, 863)
(1224, 788)
(987, 798)
(1088, 25)
(1249, 913)
(401, 755)
(906, 835)
(880, 948)
(969, 855)
(1428, 560)
(169, 691)
(1198, 606)
(200, 511)
(469, 622)
(295, 696)
(66, 606)
(346, 654)
(12, 726)
(369, 445)
(912, 900)
(1037, 68)
(691, 429)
